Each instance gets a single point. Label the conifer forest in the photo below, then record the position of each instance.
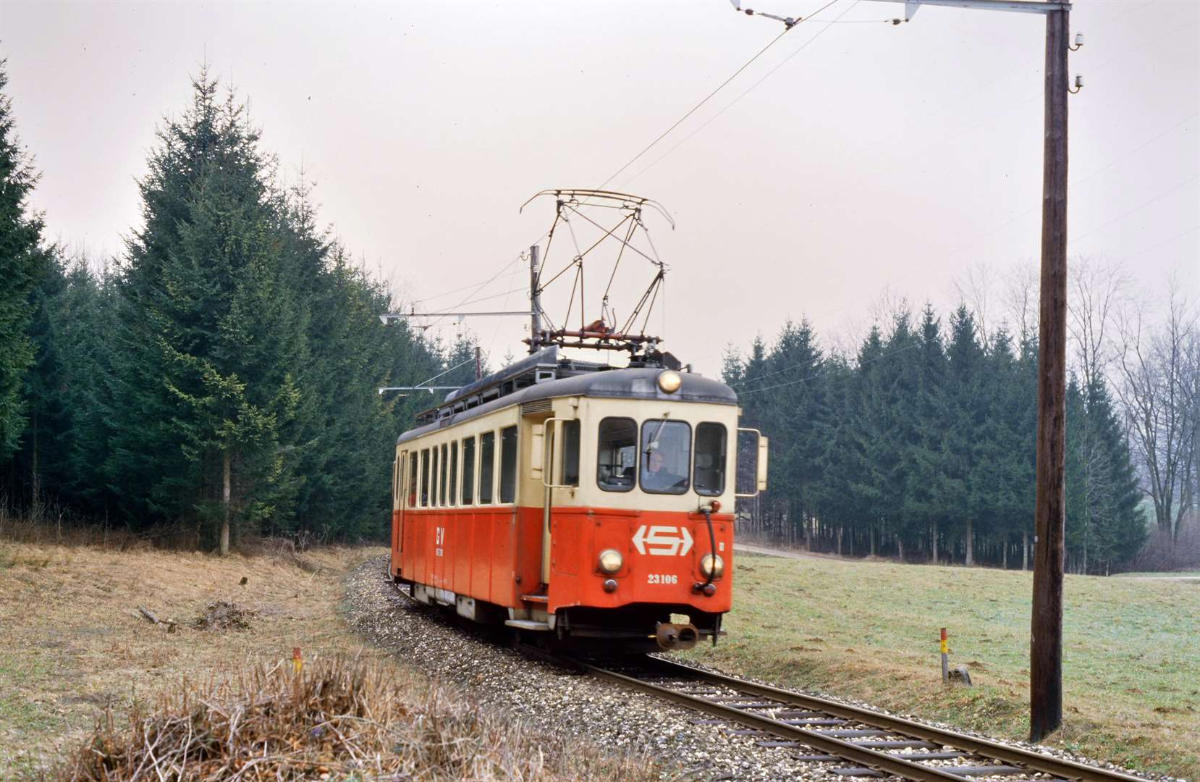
(220, 379)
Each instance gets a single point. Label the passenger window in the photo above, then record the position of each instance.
(452, 499)
(487, 466)
(709, 471)
(665, 455)
(616, 454)
(413, 461)
(425, 478)
(570, 453)
(396, 481)
(442, 476)
(468, 451)
(508, 464)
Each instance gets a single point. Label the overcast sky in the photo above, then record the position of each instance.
(877, 162)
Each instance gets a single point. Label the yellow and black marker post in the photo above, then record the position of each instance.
(945, 657)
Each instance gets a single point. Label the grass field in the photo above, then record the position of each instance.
(869, 630)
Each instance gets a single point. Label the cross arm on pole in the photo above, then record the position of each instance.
(1019, 6)
(390, 316)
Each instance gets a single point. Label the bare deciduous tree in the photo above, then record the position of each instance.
(1158, 391)
(1097, 290)
(1021, 300)
(974, 288)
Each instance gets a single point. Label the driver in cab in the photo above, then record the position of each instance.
(657, 477)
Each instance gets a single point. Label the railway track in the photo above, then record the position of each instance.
(824, 731)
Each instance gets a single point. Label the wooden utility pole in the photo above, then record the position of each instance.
(1045, 664)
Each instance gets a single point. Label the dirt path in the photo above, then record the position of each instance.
(1164, 577)
(774, 552)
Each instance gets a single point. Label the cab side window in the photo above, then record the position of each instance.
(616, 454)
(708, 475)
(570, 453)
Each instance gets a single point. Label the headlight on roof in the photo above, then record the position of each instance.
(669, 381)
(610, 561)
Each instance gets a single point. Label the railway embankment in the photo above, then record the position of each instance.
(868, 630)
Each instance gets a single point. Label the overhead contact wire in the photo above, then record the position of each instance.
(710, 95)
(751, 88)
(697, 107)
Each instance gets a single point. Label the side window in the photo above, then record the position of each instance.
(708, 475)
(570, 453)
(666, 452)
(452, 499)
(425, 478)
(468, 471)
(508, 464)
(616, 454)
(433, 476)
(396, 490)
(487, 466)
(442, 476)
(413, 461)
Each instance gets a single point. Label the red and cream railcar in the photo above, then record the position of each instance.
(576, 500)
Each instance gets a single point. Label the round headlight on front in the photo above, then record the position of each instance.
(669, 381)
(610, 561)
(712, 565)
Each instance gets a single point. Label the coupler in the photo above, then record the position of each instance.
(672, 636)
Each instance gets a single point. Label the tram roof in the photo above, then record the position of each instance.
(638, 383)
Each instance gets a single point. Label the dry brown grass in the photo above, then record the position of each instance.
(72, 639)
(338, 719)
(74, 647)
(53, 526)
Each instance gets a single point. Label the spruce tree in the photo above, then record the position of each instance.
(1003, 458)
(1118, 528)
(211, 332)
(871, 455)
(926, 491)
(1078, 527)
(23, 262)
(792, 409)
(44, 457)
(963, 467)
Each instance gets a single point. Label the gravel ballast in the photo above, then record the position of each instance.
(559, 704)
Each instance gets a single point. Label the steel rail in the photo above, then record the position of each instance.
(891, 764)
(1034, 761)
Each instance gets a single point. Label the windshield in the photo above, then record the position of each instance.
(665, 453)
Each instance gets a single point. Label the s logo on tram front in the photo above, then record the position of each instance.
(662, 541)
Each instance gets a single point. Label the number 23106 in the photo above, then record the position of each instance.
(662, 578)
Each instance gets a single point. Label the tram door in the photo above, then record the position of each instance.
(404, 481)
(556, 440)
